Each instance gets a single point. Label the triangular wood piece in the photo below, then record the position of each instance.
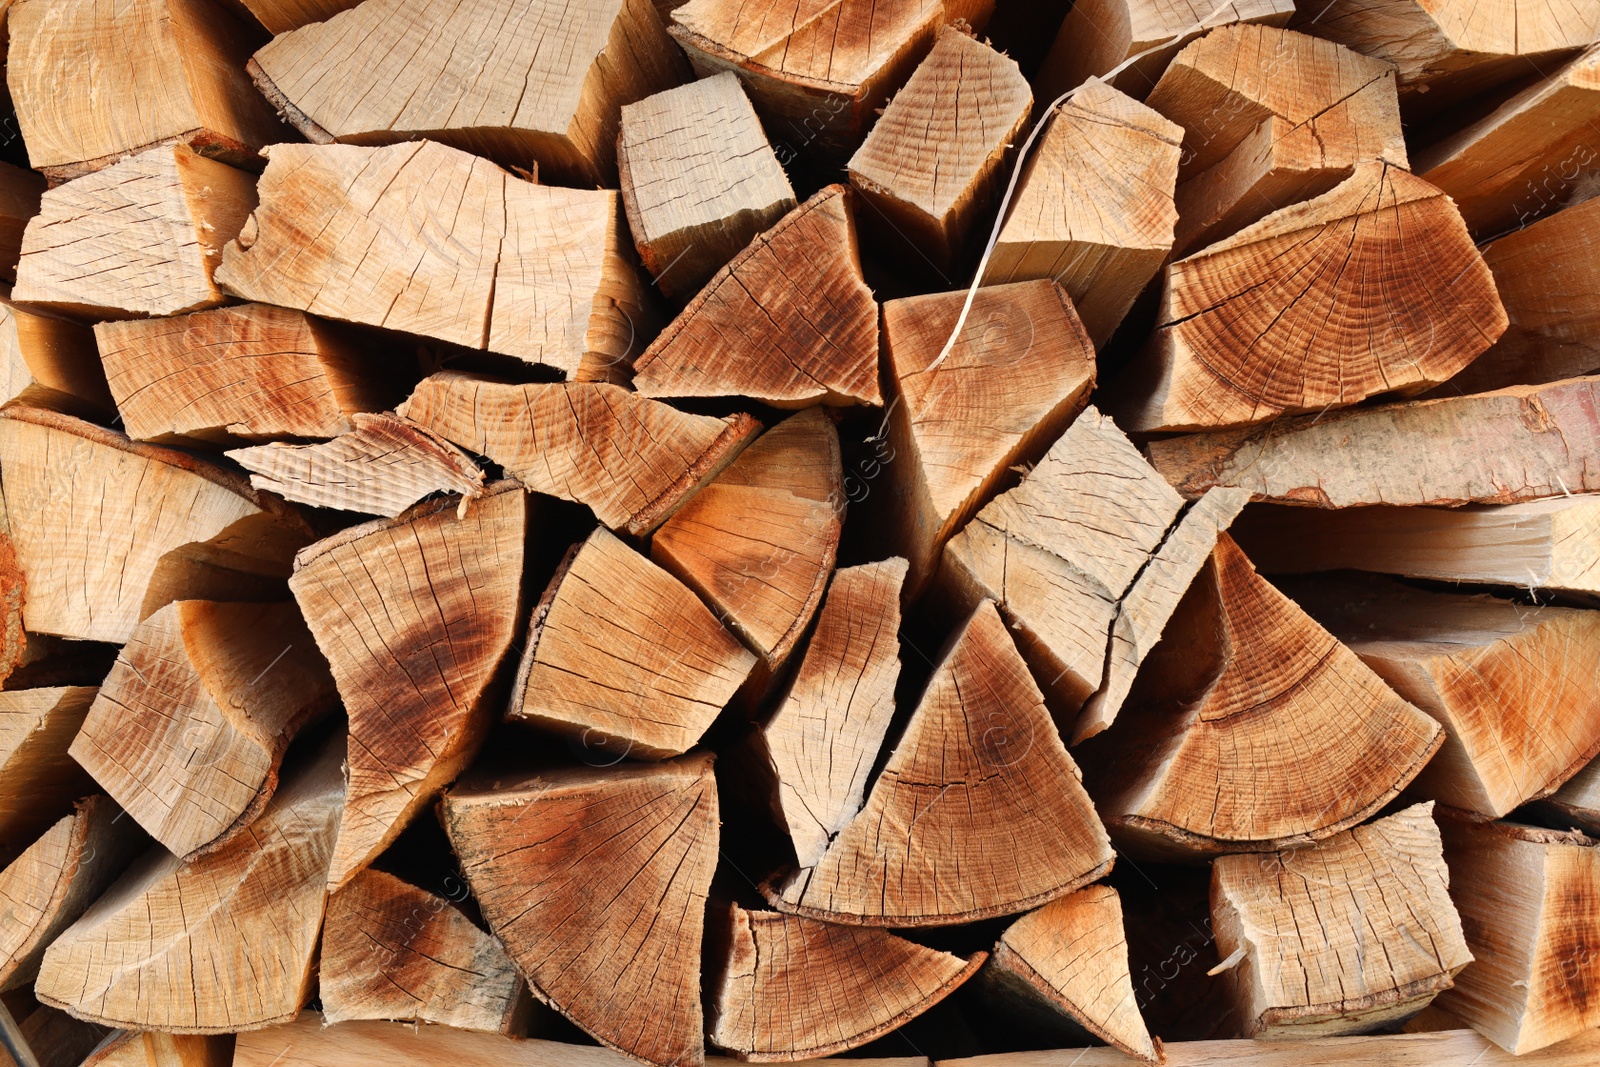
(39, 781)
(20, 190)
(758, 543)
(621, 653)
(793, 988)
(133, 1048)
(979, 811)
(1577, 803)
(789, 321)
(49, 361)
(631, 460)
(415, 615)
(596, 883)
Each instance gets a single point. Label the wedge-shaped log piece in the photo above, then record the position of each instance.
(147, 1048)
(55, 1038)
(239, 374)
(1388, 937)
(19, 201)
(930, 166)
(621, 650)
(1529, 901)
(979, 811)
(1018, 373)
(50, 362)
(190, 726)
(383, 466)
(142, 237)
(1070, 960)
(226, 942)
(429, 240)
(46, 888)
(1093, 210)
(38, 780)
(415, 615)
(699, 180)
(818, 75)
(1513, 445)
(95, 82)
(393, 951)
(1269, 732)
(758, 543)
(623, 962)
(793, 988)
(631, 460)
(108, 530)
(1299, 311)
(17, 646)
(1576, 803)
(789, 321)
(557, 79)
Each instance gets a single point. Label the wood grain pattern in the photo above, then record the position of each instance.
(39, 782)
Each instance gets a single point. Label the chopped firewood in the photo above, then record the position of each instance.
(281, 16)
(826, 733)
(622, 651)
(758, 542)
(42, 661)
(931, 166)
(1529, 900)
(222, 943)
(1513, 445)
(633, 461)
(55, 1038)
(1387, 938)
(19, 201)
(1500, 169)
(38, 780)
(818, 76)
(190, 726)
(1093, 210)
(1070, 959)
(107, 530)
(789, 321)
(1298, 312)
(1273, 734)
(383, 466)
(1019, 372)
(414, 615)
(699, 180)
(979, 811)
(793, 988)
(132, 1048)
(596, 881)
(17, 646)
(509, 80)
(142, 237)
(47, 361)
(1577, 802)
(240, 374)
(429, 240)
(393, 951)
(93, 83)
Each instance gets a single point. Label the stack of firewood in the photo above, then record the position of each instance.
(536, 530)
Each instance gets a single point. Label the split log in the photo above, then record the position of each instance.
(93, 83)
(1093, 210)
(1020, 371)
(107, 530)
(1068, 961)
(48, 361)
(281, 16)
(133, 1048)
(621, 651)
(393, 951)
(631, 460)
(1513, 445)
(1247, 330)
(1576, 803)
(429, 240)
(42, 661)
(789, 321)
(818, 77)
(55, 1038)
(793, 988)
(189, 728)
(17, 646)
(932, 165)
(622, 963)
(758, 542)
(1529, 901)
(979, 811)
(241, 374)
(699, 180)
(142, 237)
(383, 466)
(169, 945)
(1272, 733)
(414, 615)
(1388, 939)
(399, 70)
(19, 201)
(38, 780)
(1524, 158)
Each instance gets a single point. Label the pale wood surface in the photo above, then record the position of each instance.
(133, 1048)
(50, 361)
(19, 201)
(38, 780)
(281, 16)
(1577, 802)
